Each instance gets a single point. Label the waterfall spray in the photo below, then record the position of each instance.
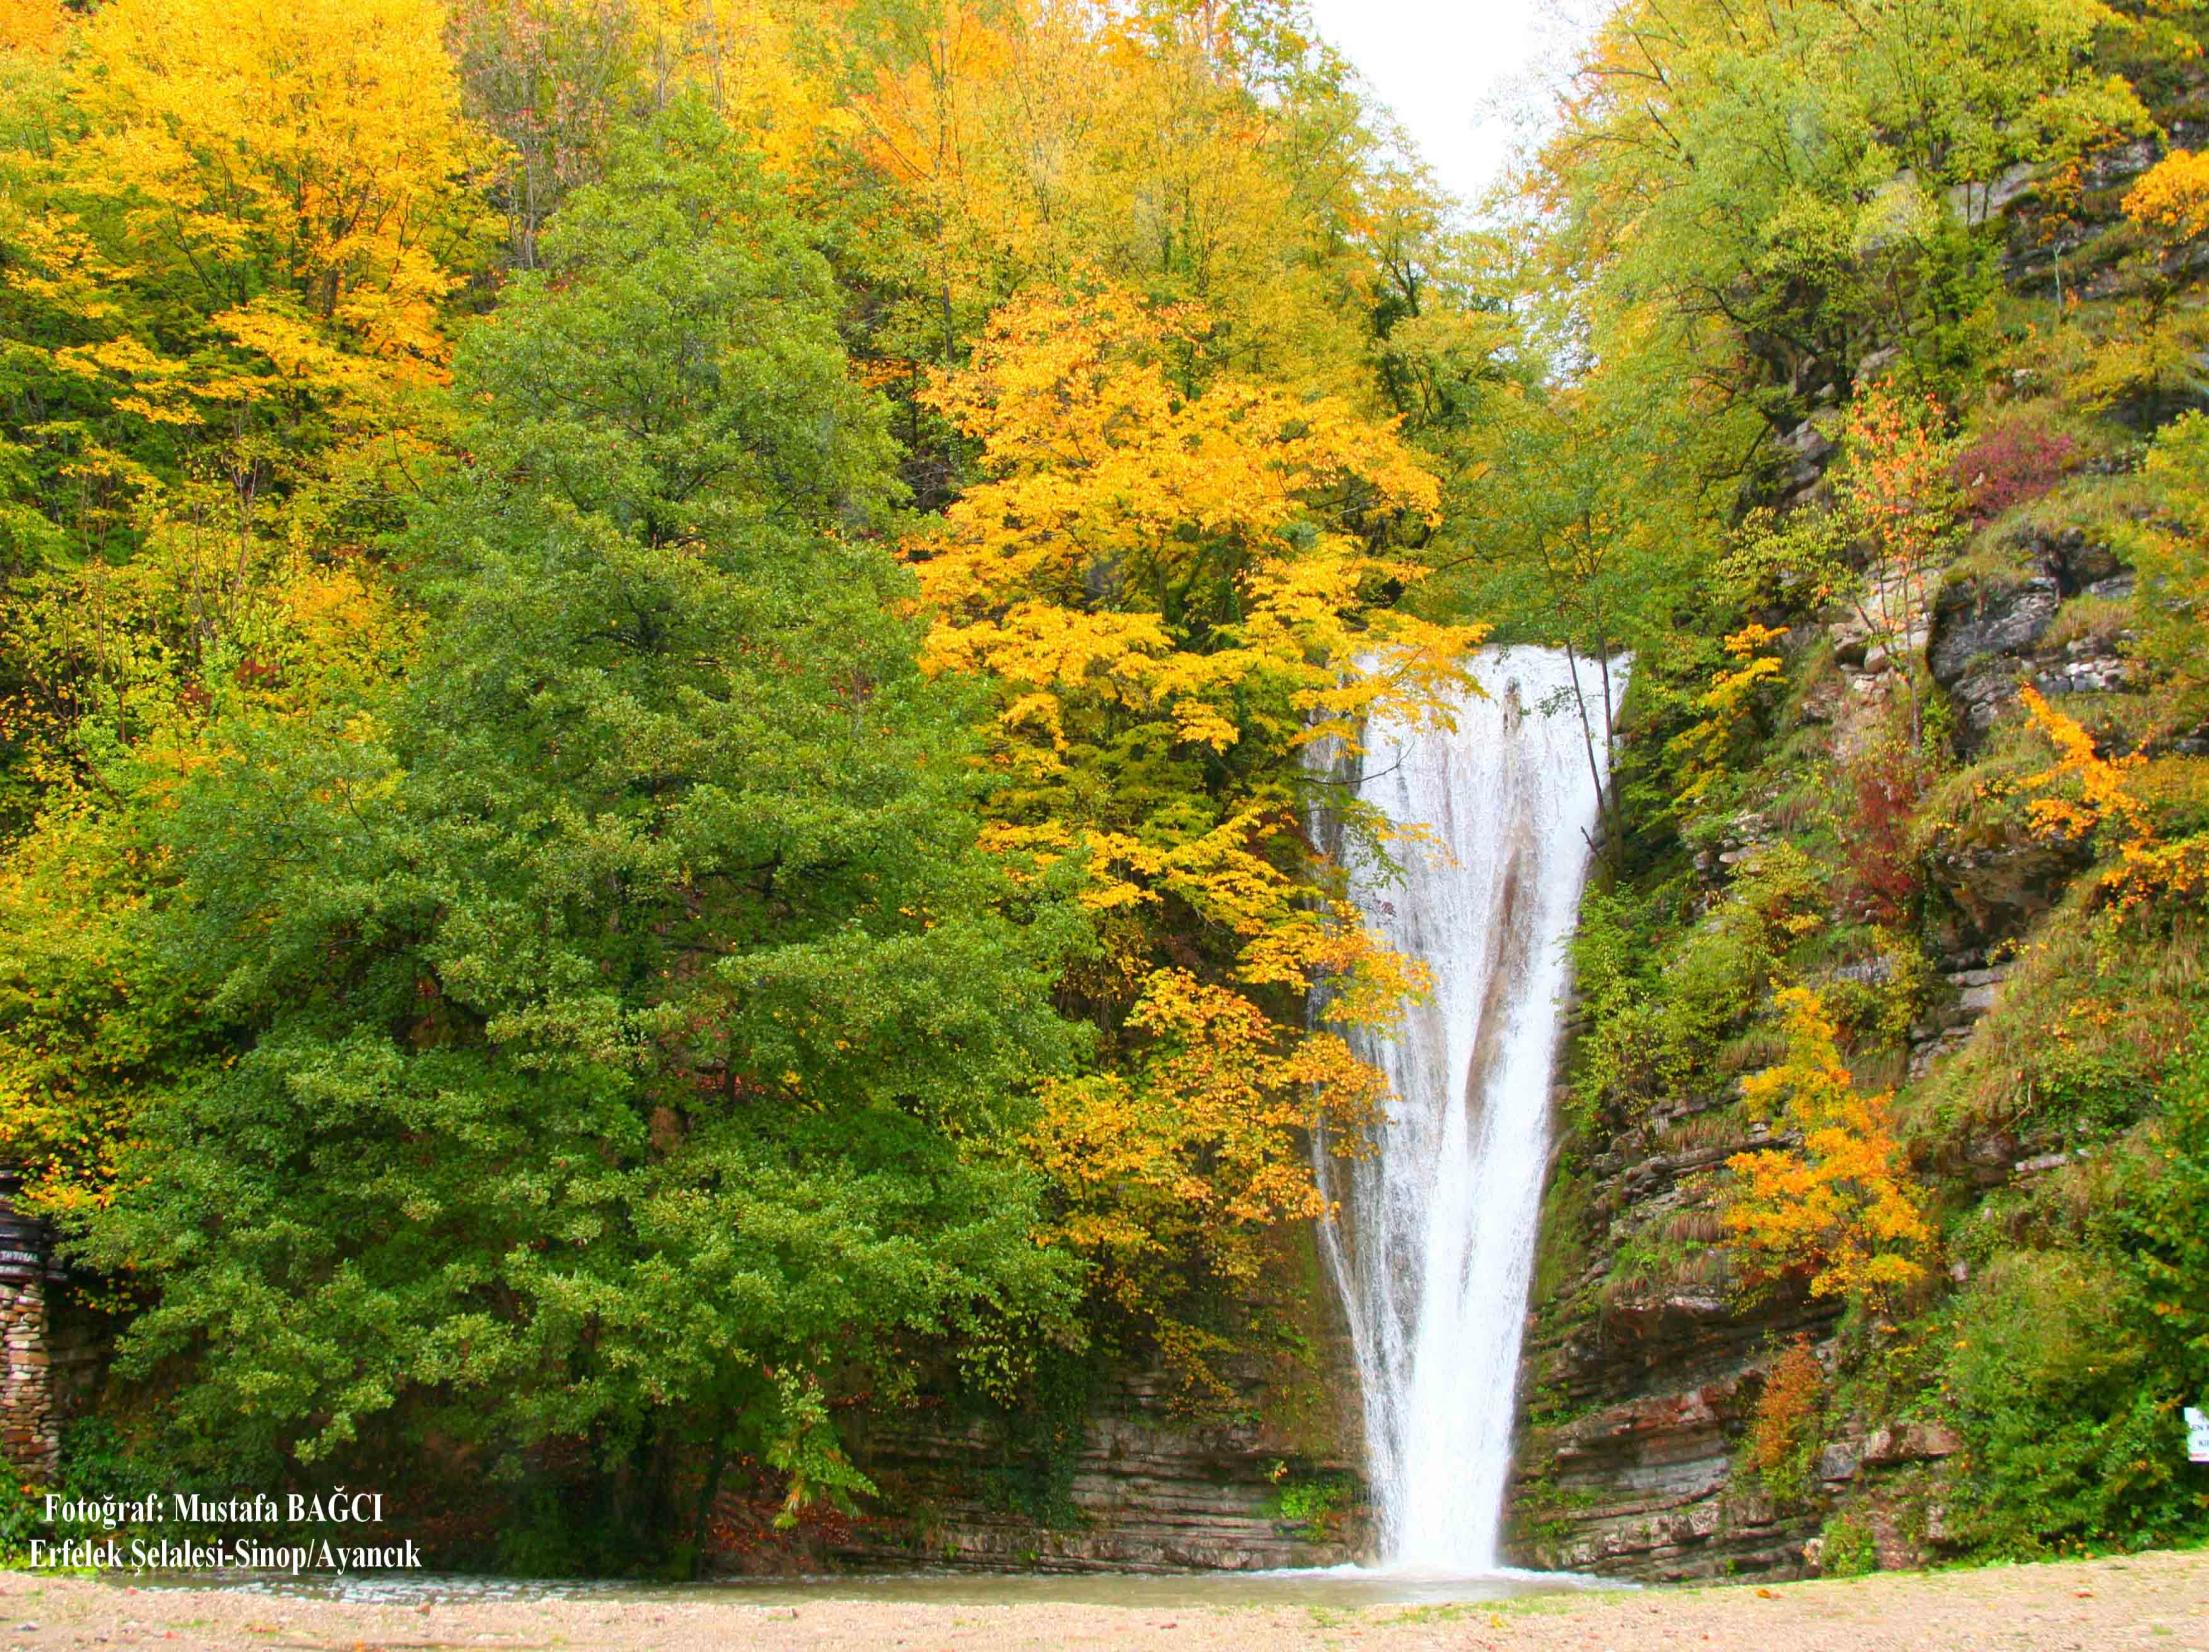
(1433, 1246)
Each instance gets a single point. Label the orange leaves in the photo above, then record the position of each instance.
(1786, 1411)
(35, 26)
(2087, 794)
(2101, 797)
(1898, 486)
(2173, 195)
(1840, 1207)
(1898, 491)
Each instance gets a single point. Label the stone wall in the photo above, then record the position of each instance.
(1635, 1390)
(1144, 1490)
(29, 1423)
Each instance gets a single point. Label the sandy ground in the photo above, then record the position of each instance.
(2159, 1601)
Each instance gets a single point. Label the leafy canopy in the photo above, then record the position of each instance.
(624, 1026)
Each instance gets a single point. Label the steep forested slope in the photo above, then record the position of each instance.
(1878, 1194)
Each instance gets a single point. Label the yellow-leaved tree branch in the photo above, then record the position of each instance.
(1178, 580)
(1833, 1201)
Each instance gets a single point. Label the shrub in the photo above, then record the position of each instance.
(2011, 465)
(1665, 1010)
(1847, 1548)
(2074, 1438)
(2162, 1228)
(1783, 1434)
(1887, 782)
(1317, 1505)
(1832, 1200)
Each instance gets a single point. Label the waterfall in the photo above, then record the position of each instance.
(1433, 1246)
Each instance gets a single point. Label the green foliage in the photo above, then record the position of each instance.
(1317, 1504)
(623, 1027)
(97, 1464)
(1772, 185)
(1561, 1241)
(1666, 1006)
(2070, 1365)
(1567, 527)
(2071, 1417)
(1044, 1433)
(1848, 1548)
(2168, 548)
(2161, 1229)
(2082, 1040)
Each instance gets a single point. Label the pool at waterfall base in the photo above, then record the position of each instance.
(1333, 1586)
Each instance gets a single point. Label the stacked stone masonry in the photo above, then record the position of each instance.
(29, 1426)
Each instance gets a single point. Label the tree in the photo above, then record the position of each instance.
(2172, 196)
(1832, 1200)
(1570, 521)
(554, 80)
(1208, 153)
(238, 235)
(229, 236)
(2091, 796)
(1175, 595)
(624, 1032)
(1177, 582)
(1898, 499)
(1769, 190)
(1190, 1151)
(2170, 547)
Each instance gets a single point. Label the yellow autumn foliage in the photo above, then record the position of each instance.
(1024, 144)
(1146, 574)
(2172, 196)
(2088, 795)
(318, 141)
(1724, 709)
(1195, 1148)
(1833, 1200)
(1176, 581)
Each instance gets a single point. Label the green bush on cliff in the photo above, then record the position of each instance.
(1666, 1005)
(1316, 1505)
(2161, 1233)
(1847, 1548)
(2070, 1415)
(2080, 1044)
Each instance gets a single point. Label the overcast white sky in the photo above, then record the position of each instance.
(1463, 76)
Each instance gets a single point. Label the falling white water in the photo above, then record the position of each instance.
(1434, 1244)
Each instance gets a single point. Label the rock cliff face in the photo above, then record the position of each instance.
(1644, 1360)
(1992, 635)
(1642, 1369)
(1141, 1490)
(1129, 1480)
